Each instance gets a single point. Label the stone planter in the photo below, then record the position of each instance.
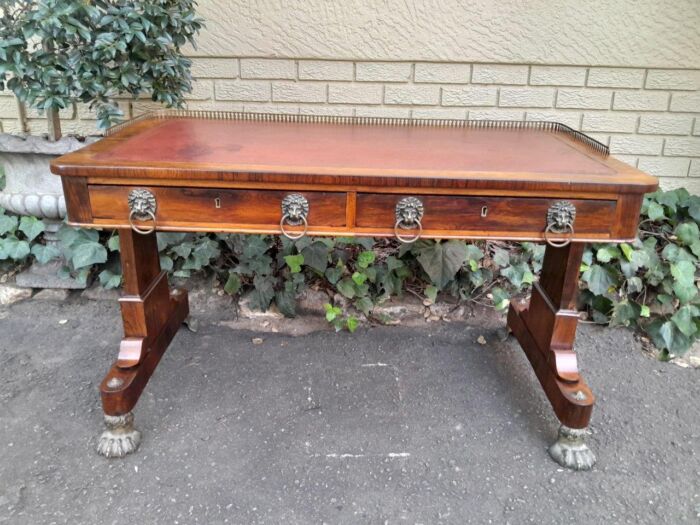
(31, 189)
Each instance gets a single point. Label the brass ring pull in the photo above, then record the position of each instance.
(294, 236)
(559, 244)
(146, 231)
(406, 239)
(560, 219)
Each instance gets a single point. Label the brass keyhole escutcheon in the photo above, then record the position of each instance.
(217, 203)
(484, 211)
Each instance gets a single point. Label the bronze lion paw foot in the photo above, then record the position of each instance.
(571, 451)
(120, 438)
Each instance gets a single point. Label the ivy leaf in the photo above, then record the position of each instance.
(70, 237)
(607, 253)
(684, 319)
(673, 253)
(364, 305)
(683, 273)
(518, 274)
(166, 263)
(474, 253)
(668, 198)
(113, 243)
(602, 308)
(442, 260)
(334, 274)
(599, 279)
(393, 263)
(255, 246)
(480, 277)
(501, 298)
(634, 285)
(331, 312)
(88, 253)
(13, 248)
(183, 250)
(166, 239)
(286, 301)
(685, 293)
(233, 283)
(431, 293)
(687, 233)
(352, 324)
(45, 253)
(624, 313)
(365, 259)
(359, 278)
(627, 250)
(694, 207)
(695, 248)
(346, 287)
(316, 256)
(501, 257)
(263, 293)
(667, 336)
(294, 262)
(655, 212)
(8, 223)
(110, 280)
(31, 227)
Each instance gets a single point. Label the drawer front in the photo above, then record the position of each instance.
(213, 207)
(497, 216)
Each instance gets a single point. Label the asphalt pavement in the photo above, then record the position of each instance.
(388, 425)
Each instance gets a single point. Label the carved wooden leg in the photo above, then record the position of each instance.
(546, 329)
(152, 314)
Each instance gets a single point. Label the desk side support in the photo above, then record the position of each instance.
(545, 329)
(152, 315)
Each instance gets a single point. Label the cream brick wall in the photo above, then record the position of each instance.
(650, 118)
(627, 73)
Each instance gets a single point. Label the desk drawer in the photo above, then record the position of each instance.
(210, 207)
(496, 216)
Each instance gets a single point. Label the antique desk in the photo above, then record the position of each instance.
(297, 175)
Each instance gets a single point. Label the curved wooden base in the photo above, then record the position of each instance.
(572, 401)
(122, 387)
(152, 315)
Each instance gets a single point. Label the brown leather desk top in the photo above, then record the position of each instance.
(377, 152)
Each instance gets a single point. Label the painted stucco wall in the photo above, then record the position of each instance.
(626, 72)
(639, 33)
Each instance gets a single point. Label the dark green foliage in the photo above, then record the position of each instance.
(651, 283)
(56, 52)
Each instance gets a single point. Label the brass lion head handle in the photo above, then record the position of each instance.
(560, 219)
(295, 212)
(409, 213)
(142, 207)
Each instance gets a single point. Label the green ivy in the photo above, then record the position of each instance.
(56, 52)
(651, 283)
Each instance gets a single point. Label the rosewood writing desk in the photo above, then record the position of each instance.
(296, 175)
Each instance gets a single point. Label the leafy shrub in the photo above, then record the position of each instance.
(55, 52)
(651, 283)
